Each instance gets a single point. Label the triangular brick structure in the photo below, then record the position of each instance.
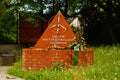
(57, 35)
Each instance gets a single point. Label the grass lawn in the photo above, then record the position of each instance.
(106, 67)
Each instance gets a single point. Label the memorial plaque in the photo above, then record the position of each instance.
(57, 35)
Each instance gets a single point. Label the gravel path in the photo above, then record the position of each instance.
(5, 76)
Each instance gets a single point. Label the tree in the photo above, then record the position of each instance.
(8, 23)
(100, 17)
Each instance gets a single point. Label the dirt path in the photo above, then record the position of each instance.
(5, 76)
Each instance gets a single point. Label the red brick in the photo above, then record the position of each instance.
(36, 59)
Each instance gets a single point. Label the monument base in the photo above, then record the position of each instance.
(37, 59)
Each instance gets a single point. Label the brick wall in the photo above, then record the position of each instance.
(86, 57)
(36, 59)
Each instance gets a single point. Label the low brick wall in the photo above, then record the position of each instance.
(86, 58)
(36, 59)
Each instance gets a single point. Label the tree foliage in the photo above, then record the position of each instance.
(8, 23)
(102, 21)
(99, 16)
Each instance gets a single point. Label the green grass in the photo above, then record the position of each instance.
(106, 67)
